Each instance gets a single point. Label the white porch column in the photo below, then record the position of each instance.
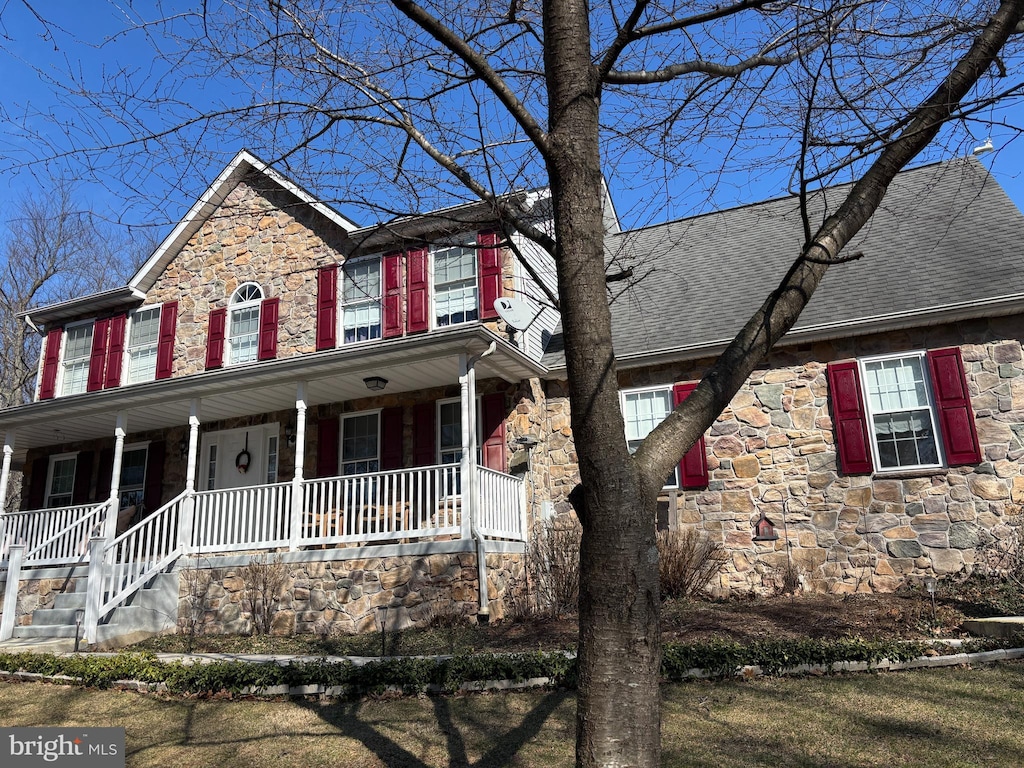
(5, 471)
(193, 447)
(298, 499)
(188, 513)
(120, 430)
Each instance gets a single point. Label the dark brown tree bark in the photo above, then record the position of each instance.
(619, 652)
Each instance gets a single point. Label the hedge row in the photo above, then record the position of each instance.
(411, 674)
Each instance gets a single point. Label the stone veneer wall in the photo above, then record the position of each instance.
(773, 450)
(37, 594)
(343, 596)
(259, 234)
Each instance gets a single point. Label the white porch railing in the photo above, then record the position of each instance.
(242, 518)
(502, 507)
(402, 504)
(394, 506)
(54, 536)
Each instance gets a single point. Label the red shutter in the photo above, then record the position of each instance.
(98, 356)
(48, 384)
(153, 491)
(115, 350)
(327, 447)
(327, 307)
(215, 338)
(953, 401)
(391, 438)
(492, 413)
(693, 469)
(850, 418)
(489, 273)
(83, 479)
(268, 329)
(393, 320)
(419, 292)
(424, 444)
(37, 482)
(105, 471)
(165, 345)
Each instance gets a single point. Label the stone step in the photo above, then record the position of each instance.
(45, 631)
(69, 600)
(51, 617)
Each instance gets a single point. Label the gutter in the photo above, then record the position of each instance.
(998, 306)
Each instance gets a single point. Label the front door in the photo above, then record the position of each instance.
(239, 458)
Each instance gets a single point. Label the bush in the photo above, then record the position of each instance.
(553, 570)
(687, 562)
(264, 581)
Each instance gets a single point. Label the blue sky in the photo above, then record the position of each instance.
(80, 39)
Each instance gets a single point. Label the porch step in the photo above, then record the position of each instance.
(152, 610)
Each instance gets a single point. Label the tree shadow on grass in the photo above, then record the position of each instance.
(502, 748)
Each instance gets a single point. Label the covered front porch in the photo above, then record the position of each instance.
(440, 501)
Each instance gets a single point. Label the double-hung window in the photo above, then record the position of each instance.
(133, 475)
(902, 411)
(361, 300)
(902, 417)
(360, 443)
(455, 285)
(643, 410)
(143, 339)
(244, 323)
(77, 349)
(449, 431)
(61, 482)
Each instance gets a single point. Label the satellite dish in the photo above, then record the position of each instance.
(515, 312)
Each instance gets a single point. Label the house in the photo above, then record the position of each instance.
(277, 379)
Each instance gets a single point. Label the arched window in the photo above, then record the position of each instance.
(244, 323)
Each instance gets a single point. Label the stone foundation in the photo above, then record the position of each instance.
(348, 596)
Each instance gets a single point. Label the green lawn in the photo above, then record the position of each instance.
(929, 718)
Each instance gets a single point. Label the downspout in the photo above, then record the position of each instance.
(474, 497)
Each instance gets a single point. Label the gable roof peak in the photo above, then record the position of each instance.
(242, 164)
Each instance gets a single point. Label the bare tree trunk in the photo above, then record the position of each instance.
(617, 724)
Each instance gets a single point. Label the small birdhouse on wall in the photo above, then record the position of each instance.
(764, 530)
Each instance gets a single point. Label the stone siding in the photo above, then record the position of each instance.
(773, 451)
(344, 597)
(259, 234)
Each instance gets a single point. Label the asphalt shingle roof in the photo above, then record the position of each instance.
(944, 234)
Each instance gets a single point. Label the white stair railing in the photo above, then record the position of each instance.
(71, 543)
(36, 527)
(125, 564)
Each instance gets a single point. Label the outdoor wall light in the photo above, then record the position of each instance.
(375, 383)
(183, 448)
(289, 435)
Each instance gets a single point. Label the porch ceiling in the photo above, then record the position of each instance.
(409, 364)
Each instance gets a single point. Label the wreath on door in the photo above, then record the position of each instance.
(243, 458)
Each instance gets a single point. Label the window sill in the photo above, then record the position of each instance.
(906, 474)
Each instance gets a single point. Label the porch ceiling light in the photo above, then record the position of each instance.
(375, 383)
